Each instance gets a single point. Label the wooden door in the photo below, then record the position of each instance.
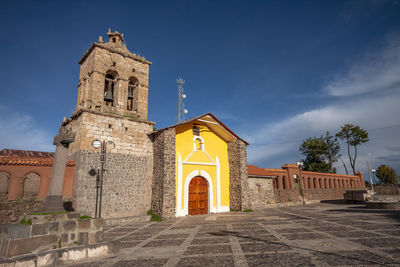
(198, 196)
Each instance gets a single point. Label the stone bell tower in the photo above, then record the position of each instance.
(112, 107)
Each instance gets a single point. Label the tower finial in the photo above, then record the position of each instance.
(109, 31)
(100, 39)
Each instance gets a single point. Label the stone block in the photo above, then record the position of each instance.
(97, 224)
(73, 215)
(25, 263)
(7, 264)
(77, 254)
(100, 251)
(84, 224)
(83, 238)
(47, 259)
(18, 231)
(32, 244)
(53, 226)
(69, 225)
(95, 237)
(39, 229)
(64, 238)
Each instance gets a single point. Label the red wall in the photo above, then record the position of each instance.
(19, 167)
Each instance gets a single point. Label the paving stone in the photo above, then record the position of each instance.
(263, 247)
(211, 241)
(223, 261)
(363, 258)
(164, 243)
(142, 262)
(209, 249)
(258, 238)
(135, 236)
(282, 259)
(173, 236)
(378, 242)
(304, 236)
(353, 234)
(130, 244)
(294, 230)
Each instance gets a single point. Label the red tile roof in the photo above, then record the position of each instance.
(25, 153)
(254, 170)
(30, 161)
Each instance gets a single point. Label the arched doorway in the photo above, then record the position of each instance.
(198, 196)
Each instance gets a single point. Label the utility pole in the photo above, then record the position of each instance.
(181, 106)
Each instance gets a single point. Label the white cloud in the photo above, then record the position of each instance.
(369, 110)
(19, 131)
(369, 113)
(377, 71)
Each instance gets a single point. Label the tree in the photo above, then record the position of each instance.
(387, 175)
(354, 136)
(320, 153)
(332, 149)
(313, 149)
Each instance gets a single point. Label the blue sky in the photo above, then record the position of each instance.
(276, 72)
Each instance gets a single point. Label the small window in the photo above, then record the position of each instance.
(113, 39)
(196, 130)
(132, 86)
(109, 90)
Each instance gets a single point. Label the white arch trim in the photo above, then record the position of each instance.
(210, 190)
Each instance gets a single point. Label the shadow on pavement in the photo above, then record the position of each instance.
(360, 260)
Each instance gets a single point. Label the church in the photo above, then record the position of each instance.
(195, 167)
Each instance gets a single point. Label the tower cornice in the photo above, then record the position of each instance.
(121, 50)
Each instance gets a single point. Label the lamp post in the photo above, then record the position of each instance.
(372, 180)
(300, 166)
(103, 146)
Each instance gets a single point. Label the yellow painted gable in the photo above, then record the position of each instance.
(208, 160)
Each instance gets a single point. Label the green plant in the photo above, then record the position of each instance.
(85, 217)
(76, 242)
(155, 218)
(248, 210)
(24, 221)
(58, 242)
(149, 212)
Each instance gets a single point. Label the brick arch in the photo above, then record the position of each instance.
(31, 185)
(5, 177)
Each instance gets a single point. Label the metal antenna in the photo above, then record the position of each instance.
(181, 106)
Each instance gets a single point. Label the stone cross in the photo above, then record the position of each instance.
(54, 200)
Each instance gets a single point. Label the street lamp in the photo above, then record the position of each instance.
(300, 166)
(103, 145)
(372, 180)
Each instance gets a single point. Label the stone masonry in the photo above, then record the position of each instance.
(108, 73)
(163, 188)
(239, 191)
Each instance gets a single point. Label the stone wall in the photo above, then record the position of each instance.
(49, 232)
(386, 189)
(239, 192)
(11, 211)
(289, 195)
(163, 188)
(129, 135)
(286, 195)
(126, 184)
(262, 192)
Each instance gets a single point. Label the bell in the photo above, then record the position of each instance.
(108, 96)
(130, 95)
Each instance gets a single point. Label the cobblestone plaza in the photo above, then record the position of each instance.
(323, 234)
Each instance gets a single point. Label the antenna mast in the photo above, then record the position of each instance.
(181, 106)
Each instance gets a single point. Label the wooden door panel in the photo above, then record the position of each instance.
(198, 196)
